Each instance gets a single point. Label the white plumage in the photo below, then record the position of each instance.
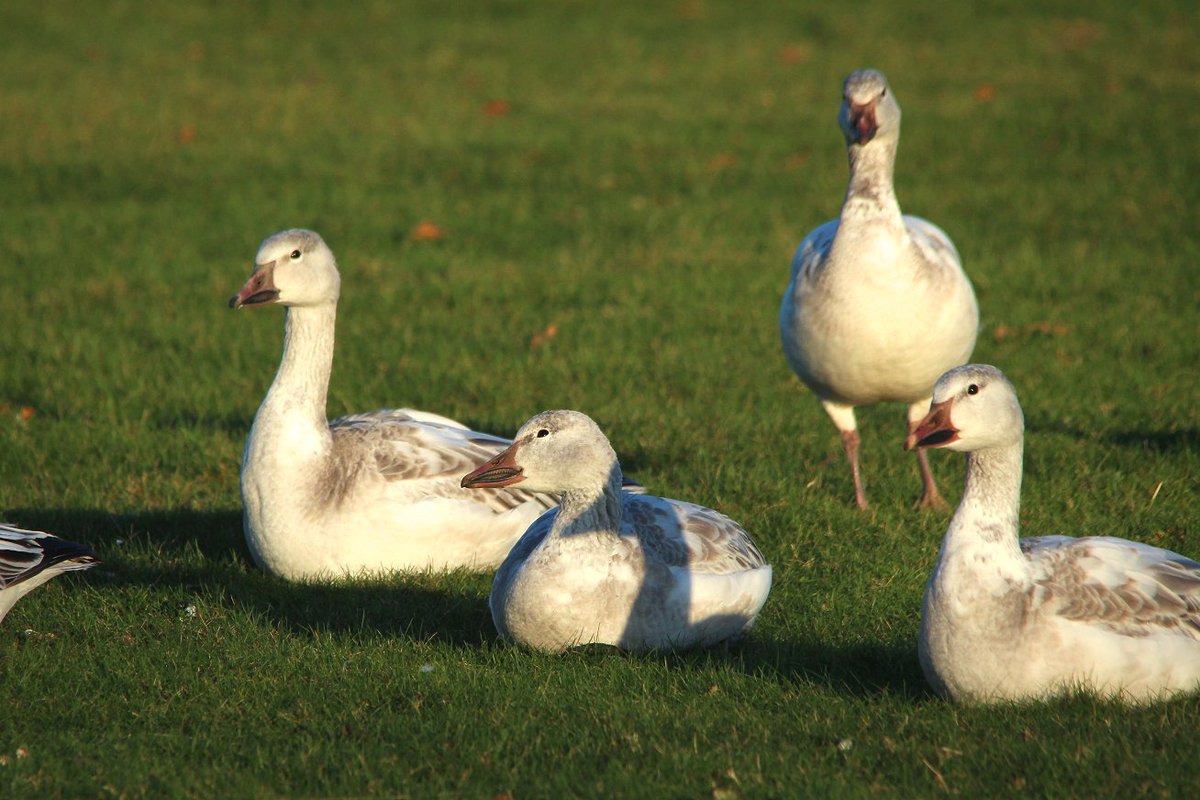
(368, 492)
(878, 305)
(637, 572)
(1009, 618)
(30, 558)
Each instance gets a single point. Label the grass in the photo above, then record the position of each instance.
(654, 167)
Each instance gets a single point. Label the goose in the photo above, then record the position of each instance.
(365, 493)
(634, 571)
(878, 305)
(1009, 619)
(30, 558)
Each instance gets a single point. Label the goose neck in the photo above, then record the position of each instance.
(991, 504)
(870, 192)
(302, 383)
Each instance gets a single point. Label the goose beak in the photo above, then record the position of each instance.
(259, 290)
(862, 121)
(935, 429)
(500, 471)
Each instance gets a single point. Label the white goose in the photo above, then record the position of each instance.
(1010, 619)
(364, 493)
(30, 558)
(637, 572)
(878, 305)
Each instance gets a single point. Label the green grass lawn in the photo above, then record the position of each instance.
(636, 175)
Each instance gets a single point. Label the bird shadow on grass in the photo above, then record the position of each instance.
(858, 670)
(855, 670)
(1158, 441)
(190, 555)
(1154, 441)
(235, 424)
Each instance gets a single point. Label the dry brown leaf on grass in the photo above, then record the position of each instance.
(24, 413)
(796, 160)
(543, 336)
(427, 231)
(690, 9)
(984, 93)
(721, 162)
(1080, 33)
(1048, 328)
(185, 134)
(496, 108)
(794, 54)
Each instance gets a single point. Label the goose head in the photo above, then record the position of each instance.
(292, 268)
(869, 110)
(554, 452)
(974, 407)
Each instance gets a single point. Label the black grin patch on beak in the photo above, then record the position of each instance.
(937, 437)
(495, 475)
(258, 298)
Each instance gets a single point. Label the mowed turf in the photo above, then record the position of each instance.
(614, 192)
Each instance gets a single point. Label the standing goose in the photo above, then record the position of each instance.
(1007, 618)
(637, 572)
(364, 493)
(30, 558)
(878, 305)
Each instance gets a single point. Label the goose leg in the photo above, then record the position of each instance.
(930, 496)
(843, 417)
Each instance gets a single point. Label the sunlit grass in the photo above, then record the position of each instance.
(641, 189)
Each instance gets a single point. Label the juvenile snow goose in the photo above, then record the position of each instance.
(878, 305)
(365, 493)
(30, 558)
(637, 572)
(1010, 619)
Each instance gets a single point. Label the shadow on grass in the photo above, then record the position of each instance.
(237, 425)
(1161, 441)
(857, 670)
(1158, 441)
(188, 553)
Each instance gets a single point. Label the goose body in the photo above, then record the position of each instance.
(30, 558)
(878, 305)
(1007, 618)
(636, 572)
(364, 493)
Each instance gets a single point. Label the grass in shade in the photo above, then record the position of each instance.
(613, 192)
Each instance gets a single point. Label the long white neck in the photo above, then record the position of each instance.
(291, 420)
(988, 516)
(870, 194)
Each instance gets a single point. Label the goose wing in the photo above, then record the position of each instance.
(1130, 588)
(682, 534)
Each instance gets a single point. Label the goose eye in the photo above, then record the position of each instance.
(295, 255)
(883, 93)
(972, 389)
(543, 432)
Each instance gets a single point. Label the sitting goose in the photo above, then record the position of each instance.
(30, 558)
(368, 492)
(878, 305)
(637, 572)
(1008, 619)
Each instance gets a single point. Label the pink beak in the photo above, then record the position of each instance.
(500, 471)
(259, 290)
(935, 430)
